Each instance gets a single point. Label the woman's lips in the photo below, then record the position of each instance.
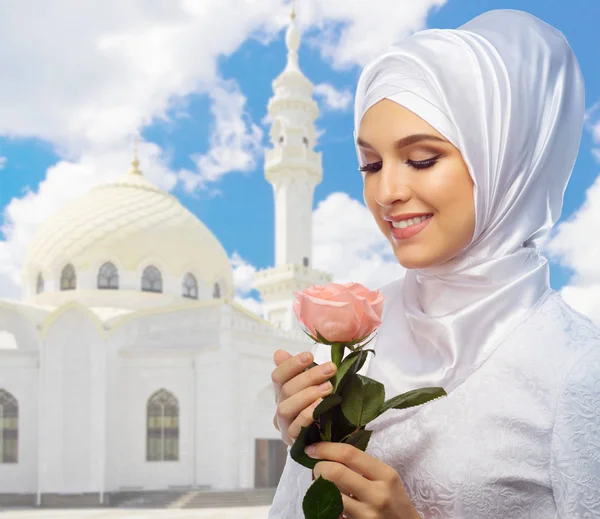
(410, 231)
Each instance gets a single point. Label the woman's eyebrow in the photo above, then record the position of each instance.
(405, 141)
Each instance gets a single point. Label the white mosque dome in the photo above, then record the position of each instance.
(123, 244)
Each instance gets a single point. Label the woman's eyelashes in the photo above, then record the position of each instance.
(374, 167)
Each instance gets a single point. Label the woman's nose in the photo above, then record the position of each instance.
(392, 186)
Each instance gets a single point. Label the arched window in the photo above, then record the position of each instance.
(68, 278)
(216, 291)
(190, 286)
(151, 279)
(108, 276)
(305, 141)
(162, 427)
(305, 261)
(39, 284)
(281, 139)
(9, 428)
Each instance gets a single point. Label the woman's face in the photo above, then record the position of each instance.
(412, 170)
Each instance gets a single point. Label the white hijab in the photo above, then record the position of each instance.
(507, 91)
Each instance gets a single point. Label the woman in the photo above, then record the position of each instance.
(474, 131)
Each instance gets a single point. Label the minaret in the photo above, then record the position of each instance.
(294, 169)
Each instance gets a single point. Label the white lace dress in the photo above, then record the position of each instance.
(520, 438)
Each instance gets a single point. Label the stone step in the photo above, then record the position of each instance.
(235, 498)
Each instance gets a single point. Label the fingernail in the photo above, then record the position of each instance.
(310, 450)
(325, 386)
(327, 369)
(304, 357)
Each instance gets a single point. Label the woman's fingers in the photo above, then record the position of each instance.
(313, 377)
(281, 355)
(298, 392)
(289, 368)
(303, 419)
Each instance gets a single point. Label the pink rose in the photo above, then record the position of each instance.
(340, 313)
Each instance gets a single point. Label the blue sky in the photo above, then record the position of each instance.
(238, 207)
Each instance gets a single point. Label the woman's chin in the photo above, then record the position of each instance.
(415, 257)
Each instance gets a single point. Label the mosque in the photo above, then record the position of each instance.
(128, 365)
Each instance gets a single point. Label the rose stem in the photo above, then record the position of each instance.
(337, 352)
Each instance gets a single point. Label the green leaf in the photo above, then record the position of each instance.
(323, 500)
(357, 341)
(322, 339)
(360, 439)
(329, 402)
(308, 436)
(362, 399)
(349, 366)
(340, 427)
(325, 426)
(412, 398)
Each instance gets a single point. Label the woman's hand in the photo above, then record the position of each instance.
(370, 488)
(298, 392)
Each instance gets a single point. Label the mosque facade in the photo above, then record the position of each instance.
(128, 365)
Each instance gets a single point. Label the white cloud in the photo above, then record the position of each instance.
(352, 248)
(592, 123)
(572, 246)
(572, 242)
(243, 276)
(235, 142)
(334, 99)
(3, 161)
(354, 31)
(584, 299)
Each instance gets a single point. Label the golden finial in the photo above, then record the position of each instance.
(293, 13)
(136, 161)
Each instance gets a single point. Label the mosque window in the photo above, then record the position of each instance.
(305, 261)
(151, 279)
(9, 428)
(39, 284)
(281, 139)
(216, 291)
(190, 286)
(305, 141)
(162, 427)
(68, 278)
(108, 276)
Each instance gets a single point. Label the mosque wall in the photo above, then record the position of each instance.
(96, 381)
(72, 427)
(138, 379)
(19, 378)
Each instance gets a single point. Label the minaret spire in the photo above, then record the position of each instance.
(292, 41)
(294, 169)
(135, 163)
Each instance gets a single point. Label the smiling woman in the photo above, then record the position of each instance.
(416, 185)
(466, 140)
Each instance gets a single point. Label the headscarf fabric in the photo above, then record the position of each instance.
(507, 91)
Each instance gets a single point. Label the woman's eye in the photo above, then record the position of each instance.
(422, 164)
(373, 167)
